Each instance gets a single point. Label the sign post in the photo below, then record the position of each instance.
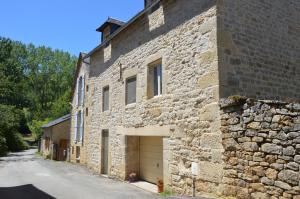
(195, 170)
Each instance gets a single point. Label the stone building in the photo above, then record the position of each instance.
(153, 87)
(55, 138)
(80, 111)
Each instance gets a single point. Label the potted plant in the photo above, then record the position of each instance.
(160, 185)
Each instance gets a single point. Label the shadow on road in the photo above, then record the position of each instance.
(22, 156)
(23, 192)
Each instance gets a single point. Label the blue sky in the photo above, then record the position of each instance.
(67, 25)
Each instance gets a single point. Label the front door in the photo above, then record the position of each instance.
(104, 159)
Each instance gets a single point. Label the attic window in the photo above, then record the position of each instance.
(155, 7)
(107, 44)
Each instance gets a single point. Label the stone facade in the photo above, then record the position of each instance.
(78, 148)
(187, 50)
(258, 48)
(262, 148)
(206, 53)
(55, 139)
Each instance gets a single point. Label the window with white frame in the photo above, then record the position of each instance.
(155, 80)
(80, 91)
(79, 124)
(130, 92)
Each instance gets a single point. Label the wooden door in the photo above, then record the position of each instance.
(63, 146)
(105, 148)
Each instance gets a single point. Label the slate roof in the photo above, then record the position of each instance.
(110, 21)
(123, 27)
(57, 121)
(82, 58)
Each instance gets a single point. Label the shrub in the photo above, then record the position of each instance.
(10, 125)
(36, 127)
(3, 146)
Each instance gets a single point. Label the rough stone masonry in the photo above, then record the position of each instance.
(262, 148)
(208, 49)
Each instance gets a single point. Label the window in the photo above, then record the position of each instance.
(86, 111)
(79, 86)
(155, 80)
(87, 88)
(80, 91)
(77, 152)
(79, 126)
(105, 99)
(130, 90)
(155, 7)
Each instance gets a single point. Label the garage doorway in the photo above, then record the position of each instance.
(151, 159)
(104, 152)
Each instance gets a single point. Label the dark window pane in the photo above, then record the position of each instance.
(105, 98)
(78, 125)
(80, 91)
(131, 90)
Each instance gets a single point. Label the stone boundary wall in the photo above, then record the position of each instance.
(262, 148)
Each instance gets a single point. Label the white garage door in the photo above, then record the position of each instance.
(151, 159)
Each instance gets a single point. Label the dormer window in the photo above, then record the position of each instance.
(147, 3)
(109, 27)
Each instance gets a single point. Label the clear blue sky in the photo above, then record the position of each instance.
(67, 25)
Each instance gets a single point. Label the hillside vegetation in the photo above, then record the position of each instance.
(35, 87)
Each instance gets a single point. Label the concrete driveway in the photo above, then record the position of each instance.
(23, 175)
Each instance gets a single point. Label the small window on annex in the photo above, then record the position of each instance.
(130, 90)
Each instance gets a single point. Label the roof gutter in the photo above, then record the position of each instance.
(121, 29)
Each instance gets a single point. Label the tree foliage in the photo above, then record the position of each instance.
(35, 87)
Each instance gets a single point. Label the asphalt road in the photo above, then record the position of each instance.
(25, 176)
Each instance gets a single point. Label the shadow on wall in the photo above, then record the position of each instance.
(23, 192)
(176, 12)
(257, 49)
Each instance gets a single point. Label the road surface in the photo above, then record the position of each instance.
(24, 175)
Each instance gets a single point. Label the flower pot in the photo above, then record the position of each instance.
(160, 186)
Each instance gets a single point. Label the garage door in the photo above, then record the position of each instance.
(151, 159)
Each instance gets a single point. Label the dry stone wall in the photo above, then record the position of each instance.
(262, 148)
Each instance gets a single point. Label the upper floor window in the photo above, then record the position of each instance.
(130, 90)
(79, 130)
(105, 99)
(155, 80)
(80, 91)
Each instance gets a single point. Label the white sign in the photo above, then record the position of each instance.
(195, 168)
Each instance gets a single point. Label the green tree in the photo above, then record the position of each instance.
(50, 75)
(35, 87)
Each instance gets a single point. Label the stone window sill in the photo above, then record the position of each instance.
(129, 106)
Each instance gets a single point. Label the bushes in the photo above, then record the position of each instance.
(10, 123)
(3, 146)
(36, 127)
(15, 142)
